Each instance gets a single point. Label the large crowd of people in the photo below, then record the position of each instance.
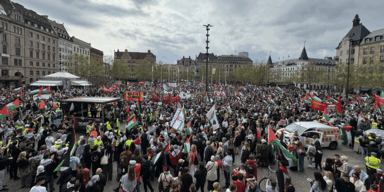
(194, 157)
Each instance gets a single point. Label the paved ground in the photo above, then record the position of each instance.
(298, 178)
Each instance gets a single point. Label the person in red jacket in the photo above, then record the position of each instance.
(240, 186)
(249, 164)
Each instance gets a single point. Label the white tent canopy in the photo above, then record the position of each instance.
(61, 75)
(46, 83)
(81, 83)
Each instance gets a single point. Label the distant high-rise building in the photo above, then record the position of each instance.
(243, 54)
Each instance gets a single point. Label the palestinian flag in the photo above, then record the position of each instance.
(206, 97)
(264, 101)
(361, 117)
(34, 92)
(362, 103)
(367, 95)
(308, 99)
(382, 94)
(72, 145)
(167, 148)
(357, 96)
(272, 139)
(347, 137)
(188, 128)
(330, 99)
(47, 90)
(258, 133)
(278, 88)
(314, 97)
(20, 95)
(18, 89)
(14, 104)
(4, 113)
(132, 123)
(325, 114)
(155, 158)
(187, 145)
(100, 89)
(271, 101)
(41, 89)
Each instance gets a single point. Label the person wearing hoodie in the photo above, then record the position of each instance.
(96, 158)
(200, 175)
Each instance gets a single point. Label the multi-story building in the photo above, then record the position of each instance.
(81, 47)
(132, 59)
(283, 71)
(29, 45)
(65, 44)
(226, 62)
(372, 48)
(96, 55)
(351, 42)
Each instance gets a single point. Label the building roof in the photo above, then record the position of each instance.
(303, 55)
(372, 36)
(204, 56)
(269, 60)
(32, 16)
(325, 62)
(97, 51)
(357, 32)
(134, 55)
(60, 30)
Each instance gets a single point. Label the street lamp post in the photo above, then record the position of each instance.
(206, 67)
(349, 63)
(328, 76)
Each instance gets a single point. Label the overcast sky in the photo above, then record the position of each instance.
(172, 29)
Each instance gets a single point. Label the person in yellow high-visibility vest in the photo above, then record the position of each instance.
(58, 104)
(98, 142)
(19, 124)
(128, 142)
(117, 131)
(374, 125)
(372, 163)
(89, 127)
(58, 144)
(109, 127)
(117, 123)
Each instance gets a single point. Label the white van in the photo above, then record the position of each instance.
(328, 136)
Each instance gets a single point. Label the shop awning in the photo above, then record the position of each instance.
(46, 83)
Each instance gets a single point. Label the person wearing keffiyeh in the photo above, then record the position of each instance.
(92, 185)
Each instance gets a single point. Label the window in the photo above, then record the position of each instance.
(5, 60)
(53, 65)
(37, 55)
(3, 25)
(17, 51)
(382, 49)
(15, 62)
(4, 49)
(31, 63)
(372, 50)
(49, 40)
(54, 41)
(43, 55)
(49, 65)
(49, 57)
(381, 58)
(4, 72)
(49, 48)
(43, 38)
(17, 17)
(371, 60)
(341, 53)
(353, 51)
(4, 37)
(37, 36)
(43, 64)
(37, 72)
(365, 60)
(378, 38)
(43, 73)
(43, 46)
(29, 23)
(37, 45)
(31, 43)
(365, 51)
(352, 60)
(53, 57)
(31, 54)
(37, 64)
(35, 25)
(17, 41)
(31, 72)
(20, 62)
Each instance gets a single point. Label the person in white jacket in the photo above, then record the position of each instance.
(311, 151)
(359, 185)
(211, 172)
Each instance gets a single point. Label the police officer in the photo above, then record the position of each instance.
(372, 163)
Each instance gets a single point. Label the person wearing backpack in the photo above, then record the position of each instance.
(193, 161)
(146, 172)
(165, 180)
(96, 158)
